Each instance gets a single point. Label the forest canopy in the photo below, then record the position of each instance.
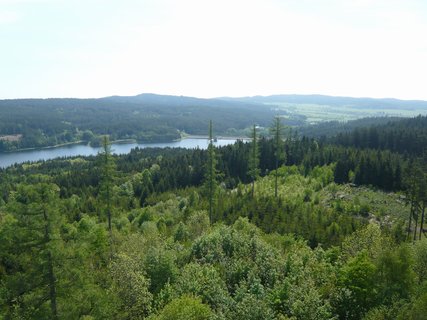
(285, 227)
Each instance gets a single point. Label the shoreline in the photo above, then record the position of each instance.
(122, 141)
(46, 147)
(216, 137)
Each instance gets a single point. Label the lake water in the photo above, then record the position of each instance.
(8, 159)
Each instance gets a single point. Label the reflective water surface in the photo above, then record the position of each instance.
(8, 159)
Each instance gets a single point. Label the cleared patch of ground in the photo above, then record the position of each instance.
(11, 137)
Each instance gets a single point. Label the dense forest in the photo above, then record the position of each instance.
(35, 123)
(406, 136)
(283, 227)
(328, 129)
(145, 118)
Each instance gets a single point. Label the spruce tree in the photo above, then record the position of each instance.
(211, 173)
(254, 160)
(415, 183)
(107, 177)
(276, 131)
(32, 245)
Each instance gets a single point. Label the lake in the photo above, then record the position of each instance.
(8, 159)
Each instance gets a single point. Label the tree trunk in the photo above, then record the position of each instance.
(52, 288)
(276, 177)
(51, 274)
(411, 211)
(422, 220)
(109, 210)
(416, 223)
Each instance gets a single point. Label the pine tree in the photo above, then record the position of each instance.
(211, 174)
(33, 244)
(415, 182)
(108, 168)
(276, 132)
(254, 160)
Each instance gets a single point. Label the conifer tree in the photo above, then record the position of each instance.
(415, 181)
(254, 160)
(33, 235)
(211, 174)
(107, 177)
(276, 132)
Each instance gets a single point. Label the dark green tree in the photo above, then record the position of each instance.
(254, 170)
(276, 131)
(108, 168)
(31, 247)
(211, 174)
(416, 186)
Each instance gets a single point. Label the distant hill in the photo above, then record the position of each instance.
(387, 103)
(29, 123)
(177, 101)
(332, 128)
(145, 117)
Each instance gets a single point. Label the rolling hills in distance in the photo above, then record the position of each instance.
(156, 118)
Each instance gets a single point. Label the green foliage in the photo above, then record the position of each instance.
(415, 309)
(185, 308)
(211, 174)
(319, 250)
(251, 302)
(404, 136)
(160, 265)
(395, 273)
(131, 287)
(107, 178)
(253, 164)
(32, 243)
(420, 257)
(370, 240)
(358, 287)
(145, 118)
(279, 155)
(203, 281)
(197, 224)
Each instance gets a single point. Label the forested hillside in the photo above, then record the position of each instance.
(332, 128)
(316, 109)
(318, 99)
(406, 136)
(35, 123)
(145, 118)
(217, 199)
(265, 230)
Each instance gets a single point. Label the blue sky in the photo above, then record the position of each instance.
(209, 48)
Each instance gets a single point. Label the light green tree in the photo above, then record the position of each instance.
(185, 308)
(131, 287)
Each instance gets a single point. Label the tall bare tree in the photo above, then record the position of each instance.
(108, 168)
(254, 170)
(276, 131)
(211, 174)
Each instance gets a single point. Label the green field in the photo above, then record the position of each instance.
(316, 113)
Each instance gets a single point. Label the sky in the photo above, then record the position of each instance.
(213, 48)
